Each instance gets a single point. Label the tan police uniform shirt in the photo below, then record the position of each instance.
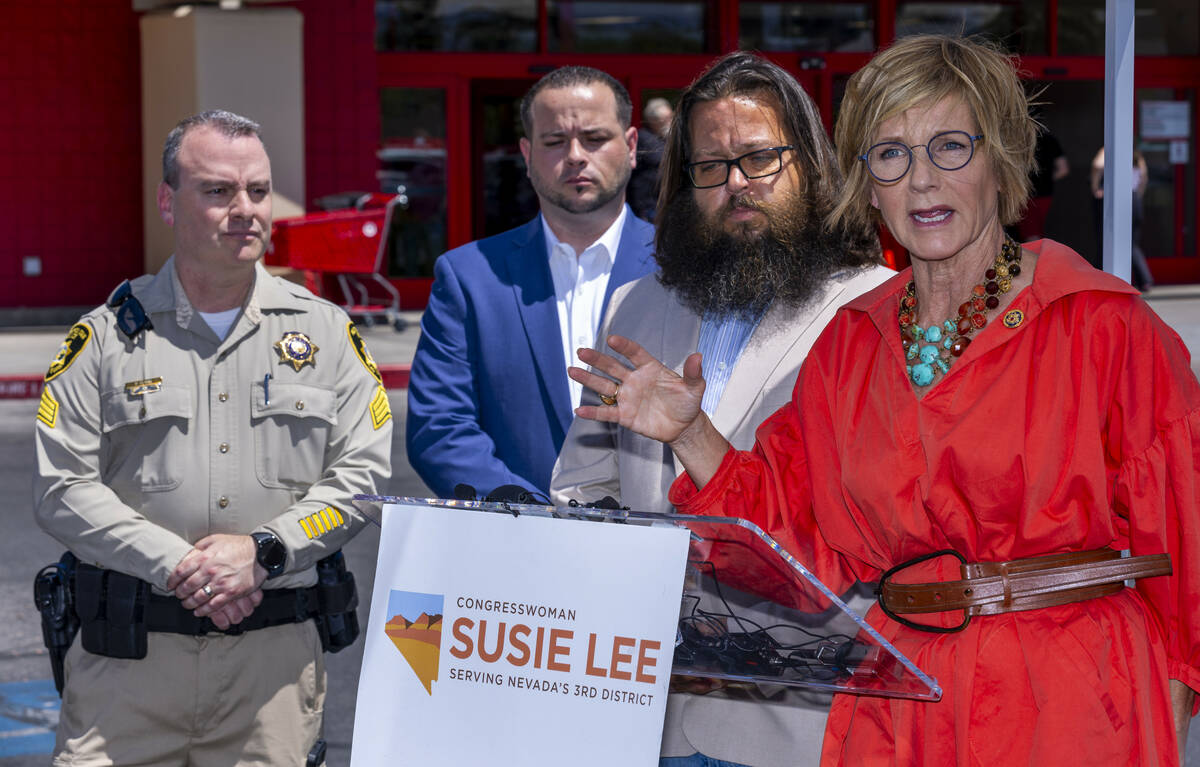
(147, 445)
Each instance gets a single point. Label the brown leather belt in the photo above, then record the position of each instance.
(991, 588)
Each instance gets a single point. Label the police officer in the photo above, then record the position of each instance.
(199, 442)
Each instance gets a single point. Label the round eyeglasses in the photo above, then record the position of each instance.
(888, 161)
(757, 164)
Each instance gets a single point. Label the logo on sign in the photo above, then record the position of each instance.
(416, 629)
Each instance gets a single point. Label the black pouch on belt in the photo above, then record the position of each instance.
(112, 612)
(337, 598)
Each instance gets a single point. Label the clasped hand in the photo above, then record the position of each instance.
(226, 565)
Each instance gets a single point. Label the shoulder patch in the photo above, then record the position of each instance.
(77, 338)
(47, 411)
(360, 348)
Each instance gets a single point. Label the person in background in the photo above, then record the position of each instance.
(1140, 270)
(749, 275)
(200, 440)
(1050, 165)
(1142, 279)
(991, 429)
(657, 116)
(489, 401)
(644, 182)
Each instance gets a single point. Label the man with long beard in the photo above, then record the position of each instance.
(750, 275)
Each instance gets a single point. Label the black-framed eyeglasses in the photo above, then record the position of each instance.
(131, 315)
(888, 161)
(756, 164)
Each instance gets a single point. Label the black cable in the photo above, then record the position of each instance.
(705, 641)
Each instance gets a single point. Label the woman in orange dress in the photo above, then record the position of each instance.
(989, 429)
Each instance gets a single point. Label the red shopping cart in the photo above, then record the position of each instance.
(348, 245)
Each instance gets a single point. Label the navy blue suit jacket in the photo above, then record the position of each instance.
(488, 398)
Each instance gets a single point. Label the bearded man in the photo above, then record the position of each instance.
(749, 276)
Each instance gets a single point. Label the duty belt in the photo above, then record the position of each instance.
(278, 607)
(991, 588)
(116, 611)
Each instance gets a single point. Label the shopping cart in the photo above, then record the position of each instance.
(348, 245)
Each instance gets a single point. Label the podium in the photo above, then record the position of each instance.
(551, 628)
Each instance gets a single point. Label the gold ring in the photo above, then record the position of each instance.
(611, 399)
(207, 589)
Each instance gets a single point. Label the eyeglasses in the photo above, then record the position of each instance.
(131, 315)
(890, 160)
(756, 164)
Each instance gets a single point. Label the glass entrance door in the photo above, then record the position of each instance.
(1165, 135)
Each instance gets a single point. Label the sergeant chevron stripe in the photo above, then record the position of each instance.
(47, 411)
(381, 411)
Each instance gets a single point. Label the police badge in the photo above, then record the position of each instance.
(298, 349)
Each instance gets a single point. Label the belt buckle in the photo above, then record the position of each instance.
(883, 579)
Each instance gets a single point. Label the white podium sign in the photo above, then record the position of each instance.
(502, 640)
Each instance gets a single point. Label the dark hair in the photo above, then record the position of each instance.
(745, 74)
(569, 77)
(229, 124)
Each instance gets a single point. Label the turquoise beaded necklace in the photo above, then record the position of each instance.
(930, 351)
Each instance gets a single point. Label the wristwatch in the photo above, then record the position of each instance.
(270, 553)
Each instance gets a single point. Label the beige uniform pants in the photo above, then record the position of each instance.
(211, 701)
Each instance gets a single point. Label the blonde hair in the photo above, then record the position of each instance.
(925, 69)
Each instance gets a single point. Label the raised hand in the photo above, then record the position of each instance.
(651, 399)
(648, 398)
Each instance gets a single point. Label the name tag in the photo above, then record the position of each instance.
(145, 386)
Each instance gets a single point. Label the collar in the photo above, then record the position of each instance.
(164, 293)
(610, 240)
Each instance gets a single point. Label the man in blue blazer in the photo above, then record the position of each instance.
(489, 401)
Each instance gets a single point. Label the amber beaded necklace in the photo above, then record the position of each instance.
(932, 350)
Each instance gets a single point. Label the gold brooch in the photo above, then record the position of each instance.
(297, 349)
(1013, 318)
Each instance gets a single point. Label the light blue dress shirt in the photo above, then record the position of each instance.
(722, 341)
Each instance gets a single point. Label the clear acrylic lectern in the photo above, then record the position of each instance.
(751, 614)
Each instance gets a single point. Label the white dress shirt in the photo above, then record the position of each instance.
(580, 280)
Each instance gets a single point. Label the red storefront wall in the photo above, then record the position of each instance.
(70, 150)
(341, 96)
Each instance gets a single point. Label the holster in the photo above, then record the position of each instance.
(52, 594)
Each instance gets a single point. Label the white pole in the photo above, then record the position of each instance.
(1118, 136)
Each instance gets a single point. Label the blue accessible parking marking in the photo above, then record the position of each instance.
(28, 716)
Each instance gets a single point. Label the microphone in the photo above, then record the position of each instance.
(464, 492)
(512, 494)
